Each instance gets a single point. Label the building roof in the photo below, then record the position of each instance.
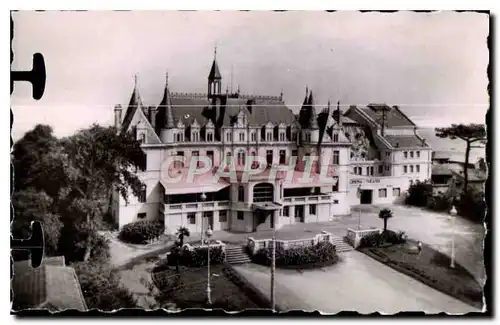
(49, 287)
(405, 141)
(442, 170)
(394, 117)
(474, 175)
(214, 71)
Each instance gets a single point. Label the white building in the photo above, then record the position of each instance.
(231, 128)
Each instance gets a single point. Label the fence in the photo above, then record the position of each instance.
(255, 244)
(354, 236)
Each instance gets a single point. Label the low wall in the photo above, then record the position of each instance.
(255, 244)
(216, 243)
(354, 236)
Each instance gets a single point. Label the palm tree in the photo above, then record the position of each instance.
(385, 214)
(181, 233)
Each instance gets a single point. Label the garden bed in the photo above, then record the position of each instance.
(431, 268)
(187, 289)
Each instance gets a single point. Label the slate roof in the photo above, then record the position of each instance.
(214, 71)
(134, 103)
(441, 170)
(474, 175)
(394, 116)
(49, 287)
(405, 141)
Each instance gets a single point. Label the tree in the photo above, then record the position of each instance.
(181, 233)
(385, 214)
(470, 133)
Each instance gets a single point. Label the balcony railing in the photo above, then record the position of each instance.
(196, 206)
(304, 199)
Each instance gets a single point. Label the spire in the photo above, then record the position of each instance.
(135, 99)
(313, 118)
(339, 114)
(214, 71)
(166, 104)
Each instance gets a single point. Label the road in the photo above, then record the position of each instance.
(356, 283)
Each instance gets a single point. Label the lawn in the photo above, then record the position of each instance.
(187, 289)
(432, 268)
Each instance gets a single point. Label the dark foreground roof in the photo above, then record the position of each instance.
(405, 141)
(394, 117)
(52, 287)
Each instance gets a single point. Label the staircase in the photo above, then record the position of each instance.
(341, 245)
(236, 255)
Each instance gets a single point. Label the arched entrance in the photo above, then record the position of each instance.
(264, 206)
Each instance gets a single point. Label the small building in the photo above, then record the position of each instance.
(52, 286)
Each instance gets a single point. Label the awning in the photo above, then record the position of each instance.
(181, 183)
(301, 179)
(266, 206)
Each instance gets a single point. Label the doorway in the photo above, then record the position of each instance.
(366, 197)
(299, 213)
(208, 220)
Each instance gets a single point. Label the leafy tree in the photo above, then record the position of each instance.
(470, 133)
(385, 214)
(181, 233)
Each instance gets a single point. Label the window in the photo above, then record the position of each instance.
(411, 169)
(196, 136)
(405, 169)
(367, 171)
(312, 209)
(387, 167)
(282, 157)
(241, 158)
(241, 194)
(295, 153)
(142, 194)
(387, 154)
(228, 157)
(253, 137)
(223, 216)
(241, 216)
(263, 192)
(371, 171)
(382, 192)
(411, 154)
(269, 136)
(210, 136)
(396, 191)
(335, 137)
(308, 137)
(335, 187)
(336, 157)
(418, 154)
(294, 136)
(195, 155)
(380, 169)
(286, 212)
(229, 137)
(142, 215)
(418, 168)
(405, 154)
(335, 201)
(242, 136)
(352, 154)
(143, 138)
(269, 157)
(191, 218)
(210, 155)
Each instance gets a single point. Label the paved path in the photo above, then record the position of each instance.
(357, 283)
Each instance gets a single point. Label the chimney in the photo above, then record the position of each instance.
(152, 116)
(118, 116)
(249, 105)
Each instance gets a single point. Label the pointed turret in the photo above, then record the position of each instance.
(214, 78)
(166, 106)
(304, 112)
(313, 117)
(134, 104)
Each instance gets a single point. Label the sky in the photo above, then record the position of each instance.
(433, 65)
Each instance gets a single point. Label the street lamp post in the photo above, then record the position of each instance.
(203, 198)
(453, 214)
(208, 233)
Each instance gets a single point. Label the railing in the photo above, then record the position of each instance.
(195, 206)
(255, 244)
(354, 236)
(311, 198)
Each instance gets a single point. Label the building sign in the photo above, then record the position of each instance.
(364, 181)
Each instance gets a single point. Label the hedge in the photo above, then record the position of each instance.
(386, 237)
(319, 254)
(140, 232)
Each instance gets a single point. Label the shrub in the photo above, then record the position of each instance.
(472, 205)
(439, 202)
(321, 253)
(140, 232)
(378, 239)
(197, 257)
(418, 194)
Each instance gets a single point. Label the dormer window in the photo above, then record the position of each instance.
(210, 136)
(253, 137)
(282, 136)
(195, 137)
(143, 138)
(269, 136)
(335, 137)
(294, 136)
